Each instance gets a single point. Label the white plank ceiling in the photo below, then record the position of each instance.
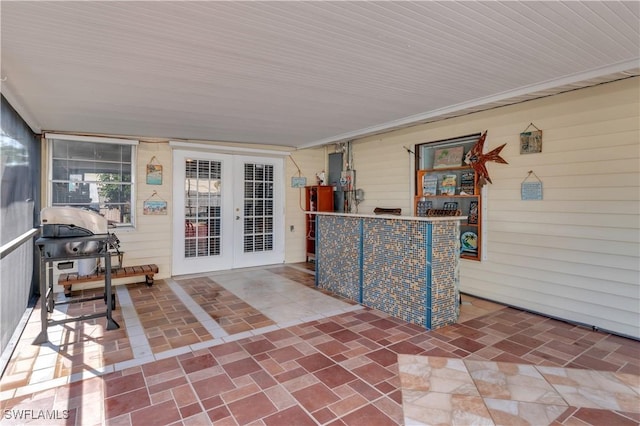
(298, 73)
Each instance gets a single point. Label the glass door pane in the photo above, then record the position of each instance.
(202, 212)
(258, 207)
(203, 179)
(259, 211)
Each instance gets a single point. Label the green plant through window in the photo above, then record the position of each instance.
(114, 194)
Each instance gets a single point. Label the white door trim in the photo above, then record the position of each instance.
(232, 203)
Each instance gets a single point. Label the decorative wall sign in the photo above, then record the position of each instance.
(469, 242)
(447, 157)
(154, 207)
(298, 182)
(423, 207)
(429, 185)
(467, 183)
(442, 212)
(531, 142)
(450, 205)
(154, 173)
(448, 185)
(476, 159)
(472, 217)
(449, 208)
(531, 190)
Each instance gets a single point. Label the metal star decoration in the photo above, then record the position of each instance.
(476, 159)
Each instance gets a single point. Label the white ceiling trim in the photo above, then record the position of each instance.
(226, 149)
(80, 138)
(500, 99)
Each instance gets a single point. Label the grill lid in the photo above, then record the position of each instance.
(74, 218)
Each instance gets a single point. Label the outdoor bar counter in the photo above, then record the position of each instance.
(405, 266)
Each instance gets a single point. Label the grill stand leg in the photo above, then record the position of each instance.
(111, 324)
(43, 337)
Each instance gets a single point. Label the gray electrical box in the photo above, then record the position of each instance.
(335, 172)
(335, 169)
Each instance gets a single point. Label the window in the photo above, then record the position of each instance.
(425, 150)
(93, 173)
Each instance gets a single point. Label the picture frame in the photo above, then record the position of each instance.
(298, 182)
(450, 205)
(423, 207)
(467, 183)
(154, 207)
(448, 185)
(154, 174)
(429, 185)
(531, 142)
(531, 191)
(469, 242)
(472, 216)
(448, 157)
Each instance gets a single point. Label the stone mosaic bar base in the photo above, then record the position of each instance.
(404, 266)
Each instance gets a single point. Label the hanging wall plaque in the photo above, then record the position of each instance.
(531, 141)
(156, 206)
(531, 189)
(154, 173)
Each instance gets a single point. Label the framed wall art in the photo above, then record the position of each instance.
(472, 217)
(154, 173)
(156, 206)
(450, 205)
(448, 157)
(531, 189)
(429, 185)
(531, 141)
(448, 185)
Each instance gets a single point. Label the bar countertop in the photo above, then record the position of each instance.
(392, 216)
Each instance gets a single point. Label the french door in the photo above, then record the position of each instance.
(228, 211)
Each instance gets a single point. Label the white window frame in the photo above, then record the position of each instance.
(51, 137)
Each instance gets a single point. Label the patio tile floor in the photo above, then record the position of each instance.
(261, 346)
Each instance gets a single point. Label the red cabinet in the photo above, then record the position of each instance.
(318, 199)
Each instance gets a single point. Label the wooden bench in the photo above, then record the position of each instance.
(67, 280)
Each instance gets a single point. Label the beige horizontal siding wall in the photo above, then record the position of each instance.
(576, 253)
(385, 172)
(150, 241)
